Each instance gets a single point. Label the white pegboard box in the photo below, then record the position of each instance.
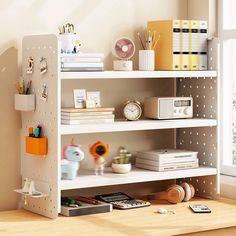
(47, 115)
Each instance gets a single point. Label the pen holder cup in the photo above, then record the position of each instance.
(36, 146)
(25, 102)
(146, 60)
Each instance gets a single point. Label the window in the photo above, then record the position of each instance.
(227, 35)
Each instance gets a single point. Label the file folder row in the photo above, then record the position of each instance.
(182, 44)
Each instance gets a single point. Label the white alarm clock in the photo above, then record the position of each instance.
(132, 110)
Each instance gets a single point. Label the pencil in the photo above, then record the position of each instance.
(141, 42)
(87, 200)
(154, 45)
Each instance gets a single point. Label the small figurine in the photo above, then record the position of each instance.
(70, 42)
(72, 154)
(99, 150)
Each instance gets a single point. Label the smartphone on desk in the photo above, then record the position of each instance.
(199, 208)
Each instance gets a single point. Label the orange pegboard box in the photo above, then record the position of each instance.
(36, 146)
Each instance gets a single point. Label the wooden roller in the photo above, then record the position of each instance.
(174, 194)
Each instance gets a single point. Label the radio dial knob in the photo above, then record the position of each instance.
(188, 111)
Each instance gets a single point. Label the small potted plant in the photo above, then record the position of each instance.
(121, 163)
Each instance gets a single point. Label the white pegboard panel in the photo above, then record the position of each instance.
(213, 51)
(205, 186)
(202, 140)
(43, 168)
(204, 94)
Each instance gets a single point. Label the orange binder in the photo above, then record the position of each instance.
(167, 51)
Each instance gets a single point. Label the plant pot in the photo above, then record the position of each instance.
(121, 168)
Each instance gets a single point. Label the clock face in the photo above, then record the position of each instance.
(132, 111)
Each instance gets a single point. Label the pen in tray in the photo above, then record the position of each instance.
(88, 200)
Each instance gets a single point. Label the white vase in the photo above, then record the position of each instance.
(121, 168)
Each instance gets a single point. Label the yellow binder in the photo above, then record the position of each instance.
(194, 45)
(167, 51)
(185, 46)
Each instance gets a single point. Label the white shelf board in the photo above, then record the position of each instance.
(88, 179)
(43, 195)
(119, 126)
(136, 74)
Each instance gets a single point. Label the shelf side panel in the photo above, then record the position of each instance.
(42, 169)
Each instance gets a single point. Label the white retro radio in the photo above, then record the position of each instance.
(168, 107)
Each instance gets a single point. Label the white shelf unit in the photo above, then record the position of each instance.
(199, 133)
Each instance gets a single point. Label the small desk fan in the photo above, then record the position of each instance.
(124, 49)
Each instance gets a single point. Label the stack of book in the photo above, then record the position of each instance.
(168, 159)
(82, 62)
(76, 116)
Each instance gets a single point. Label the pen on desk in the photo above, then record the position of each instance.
(87, 200)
